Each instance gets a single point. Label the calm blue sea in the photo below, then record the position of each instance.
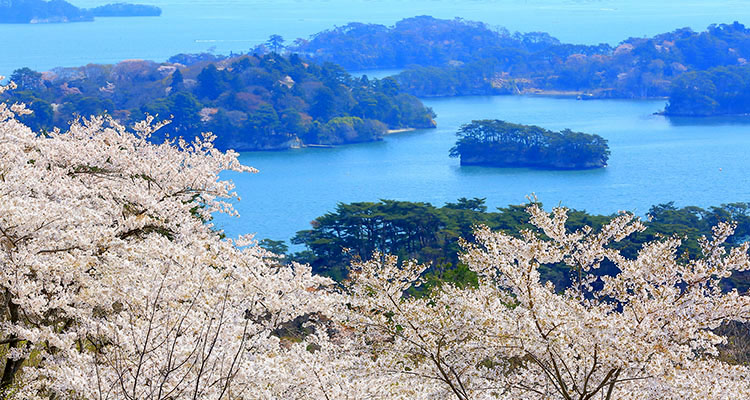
(654, 160)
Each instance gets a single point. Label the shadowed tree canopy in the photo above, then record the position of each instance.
(502, 144)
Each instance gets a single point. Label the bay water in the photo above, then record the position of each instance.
(654, 160)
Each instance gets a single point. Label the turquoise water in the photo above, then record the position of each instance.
(238, 25)
(691, 162)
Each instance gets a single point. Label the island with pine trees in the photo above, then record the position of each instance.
(498, 143)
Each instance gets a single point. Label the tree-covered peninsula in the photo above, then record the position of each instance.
(268, 102)
(717, 91)
(498, 143)
(458, 57)
(43, 11)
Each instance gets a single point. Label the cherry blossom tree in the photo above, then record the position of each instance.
(646, 333)
(114, 284)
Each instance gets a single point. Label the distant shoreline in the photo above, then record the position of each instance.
(35, 12)
(394, 131)
(551, 94)
(730, 115)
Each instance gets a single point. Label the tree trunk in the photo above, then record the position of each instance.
(11, 366)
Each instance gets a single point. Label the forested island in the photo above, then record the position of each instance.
(458, 57)
(429, 234)
(268, 102)
(52, 11)
(498, 143)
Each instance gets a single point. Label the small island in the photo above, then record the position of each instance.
(58, 11)
(498, 143)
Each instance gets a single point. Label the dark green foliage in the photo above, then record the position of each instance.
(275, 43)
(251, 102)
(717, 91)
(277, 247)
(409, 230)
(274, 246)
(475, 204)
(211, 82)
(42, 113)
(323, 106)
(459, 275)
(86, 106)
(430, 235)
(503, 144)
(181, 108)
(178, 81)
(27, 79)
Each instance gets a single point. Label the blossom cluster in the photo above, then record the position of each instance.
(647, 332)
(114, 285)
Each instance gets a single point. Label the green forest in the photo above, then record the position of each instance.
(257, 102)
(503, 144)
(429, 234)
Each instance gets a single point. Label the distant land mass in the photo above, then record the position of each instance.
(459, 57)
(258, 102)
(701, 73)
(126, 10)
(39, 11)
(57, 11)
(496, 143)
